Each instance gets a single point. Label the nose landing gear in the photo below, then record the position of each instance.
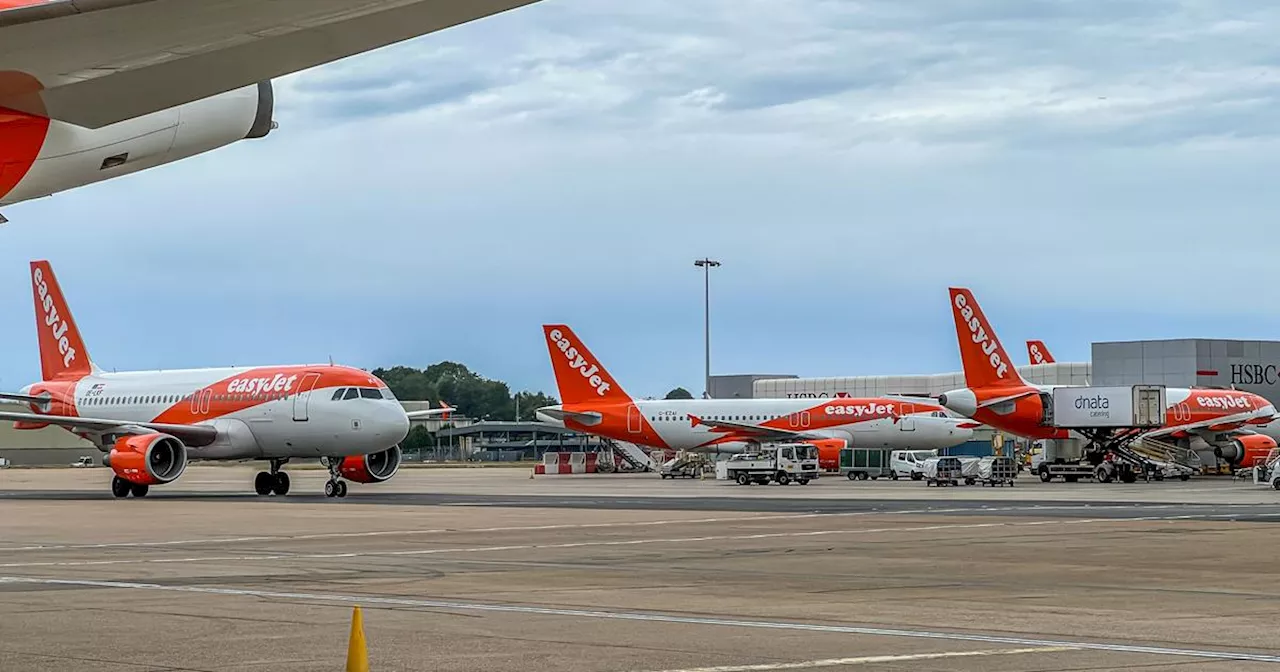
(273, 482)
(335, 486)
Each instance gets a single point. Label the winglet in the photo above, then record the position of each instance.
(986, 364)
(1037, 353)
(579, 375)
(63, 354)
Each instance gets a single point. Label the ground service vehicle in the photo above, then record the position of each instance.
(683, 466)
(997, 470)
(859, 464)
(942, 471)
(909, 463)
(778, 462)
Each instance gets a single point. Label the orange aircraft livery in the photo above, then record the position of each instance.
(1037, 353)
(997, 396)
(593, 402)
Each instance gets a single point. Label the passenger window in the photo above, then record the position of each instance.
(352, 393)
(337, 394)
(370, 393)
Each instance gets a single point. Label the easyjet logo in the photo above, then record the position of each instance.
(278, 383)
(980, 336)
(1036, 357)
(859, 410)
(1224, 403)
(56, 323)
(588, 370)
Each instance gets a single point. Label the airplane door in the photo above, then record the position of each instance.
(634, 420)
(906, 422)
(303, 397)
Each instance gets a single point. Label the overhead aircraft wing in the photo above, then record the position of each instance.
(587, 418)
(442, 412)
(192, 435)
(97, 62)
(1229, 423)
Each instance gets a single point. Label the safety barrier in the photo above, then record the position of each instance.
(567, 463)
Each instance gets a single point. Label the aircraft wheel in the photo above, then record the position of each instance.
(340, 490)
(281, 485)
(263, 483)
(120, 487)
(139, 489)
(329, 489)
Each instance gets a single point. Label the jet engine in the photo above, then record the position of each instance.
(147, 459)
(1245, 450)
(371, 468)
(43, 157)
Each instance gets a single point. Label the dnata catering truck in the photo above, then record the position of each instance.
(780, 463)
(1109, 419)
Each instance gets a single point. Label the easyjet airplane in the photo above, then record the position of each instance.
(997, 396)
(1038, 353)
(594, 403)
(150, 424)
(95, 90)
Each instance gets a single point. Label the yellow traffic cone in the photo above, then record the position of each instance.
(357, 653)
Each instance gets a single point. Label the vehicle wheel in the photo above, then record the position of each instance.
(1276, 484)
(139, 489)
(862, 475)
(1045, 476)
(1127, 476)
(802, 481)
(915, 475)
(1184, 477)
(1159, 475)
(281, 485)
(783, 478)
(341, 489)
(329, 489)
(1102, 475)
(263, 483)
(969, 481)
(893, 475)
(853, 476)
(120, 487)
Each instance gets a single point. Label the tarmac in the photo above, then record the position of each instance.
(488, 569)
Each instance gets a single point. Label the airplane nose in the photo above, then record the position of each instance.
(398, 425)
(962, 401)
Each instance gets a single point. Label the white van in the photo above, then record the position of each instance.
(909, 463)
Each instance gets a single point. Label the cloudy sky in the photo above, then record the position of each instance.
(1093, 170)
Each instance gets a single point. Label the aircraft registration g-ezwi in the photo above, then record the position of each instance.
(150, 424)
(998, 397)
(594, 403)
(95, 89)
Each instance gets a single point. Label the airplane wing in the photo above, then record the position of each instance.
(1226, 424)
(587, 418)
(443, 412)
(192, 435)
(97, 62)
(756, 432)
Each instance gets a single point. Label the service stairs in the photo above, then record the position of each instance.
(632, 454)
(1165, 454)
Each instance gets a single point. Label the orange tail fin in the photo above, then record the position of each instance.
(1038, 354)
(579, 375)
(62, 351)
(986, 364)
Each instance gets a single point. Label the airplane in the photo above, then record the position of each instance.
(151, 424)
(594, 403)
(95, 90)
(997, 396)
(1038, 353)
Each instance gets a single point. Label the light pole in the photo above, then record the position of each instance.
(706, 264)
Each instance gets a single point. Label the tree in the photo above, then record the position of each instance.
(472, 394)
(678, 393)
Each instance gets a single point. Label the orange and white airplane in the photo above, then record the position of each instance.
(150, 424)
(95, 90)
(998, 397)
(1037, 353)
(594, 403)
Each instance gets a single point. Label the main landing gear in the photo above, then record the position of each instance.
(335, 486)
(122, 488)
(273, 482)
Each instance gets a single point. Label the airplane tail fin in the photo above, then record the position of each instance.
(579, 375)
(62, 351)
(1037, 353)
(986, 364)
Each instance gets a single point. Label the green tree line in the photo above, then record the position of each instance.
(472, 394)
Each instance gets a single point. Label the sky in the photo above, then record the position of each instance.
(1093, 170)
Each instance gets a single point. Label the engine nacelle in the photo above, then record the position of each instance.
(371, 468)
(39, 157)
(147, 459)
(1246, 450)
(829, 452)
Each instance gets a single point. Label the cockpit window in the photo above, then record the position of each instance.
(352, 393)
(370, 393)
(338, 393)
(387, 394)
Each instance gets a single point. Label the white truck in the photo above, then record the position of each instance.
(781, 463)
